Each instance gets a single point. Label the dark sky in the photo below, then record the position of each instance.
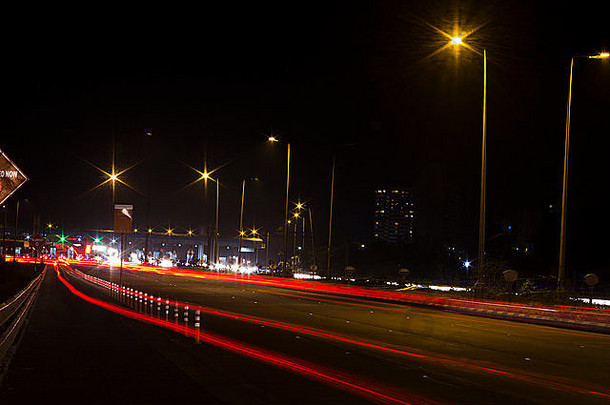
(353, 79)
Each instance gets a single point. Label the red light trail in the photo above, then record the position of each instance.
(359, 386)
(554, 316)
(541, 380)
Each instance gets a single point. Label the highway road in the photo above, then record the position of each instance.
(267, 344)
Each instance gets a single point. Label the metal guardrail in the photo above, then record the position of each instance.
(13, 315)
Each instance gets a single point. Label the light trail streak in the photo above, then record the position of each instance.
(353, 384)
(444, 314)
(550, 316)
(367, 305)
(540, 380)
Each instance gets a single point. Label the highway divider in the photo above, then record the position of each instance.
(13, 316)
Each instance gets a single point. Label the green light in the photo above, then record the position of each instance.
(96, 240)
(62, 239)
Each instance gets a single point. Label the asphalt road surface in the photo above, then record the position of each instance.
(339, 350)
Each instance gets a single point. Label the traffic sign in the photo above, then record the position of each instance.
(123, 218)
(11, 177)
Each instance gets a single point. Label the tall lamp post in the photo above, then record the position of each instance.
(241, 222)
(216, 230)
(561, 273)
(148, 134)
(242, 233)
(273, 139)
(481, 274)
(214, 251)
(330, 219)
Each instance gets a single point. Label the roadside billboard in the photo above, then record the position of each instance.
(11, 177)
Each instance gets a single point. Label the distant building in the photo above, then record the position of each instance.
(393, 216)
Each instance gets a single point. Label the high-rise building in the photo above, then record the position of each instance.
(394, 210)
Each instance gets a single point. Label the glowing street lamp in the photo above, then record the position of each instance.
(273, 139)
(458, 41)
(561, 271)
(204, 176)
(242, 233)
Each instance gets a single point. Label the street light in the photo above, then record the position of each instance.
(273, 139)
(561, 271)
(330, 219)
(205, 176)
(213, 249)
(458, 41)
(242, 233)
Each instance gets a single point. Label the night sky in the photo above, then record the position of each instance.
(351, 79)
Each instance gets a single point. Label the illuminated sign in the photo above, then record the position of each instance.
(123, 218)
(11, 178)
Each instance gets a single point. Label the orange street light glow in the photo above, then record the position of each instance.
(602, 55)
(456, 41)
(111, 177)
